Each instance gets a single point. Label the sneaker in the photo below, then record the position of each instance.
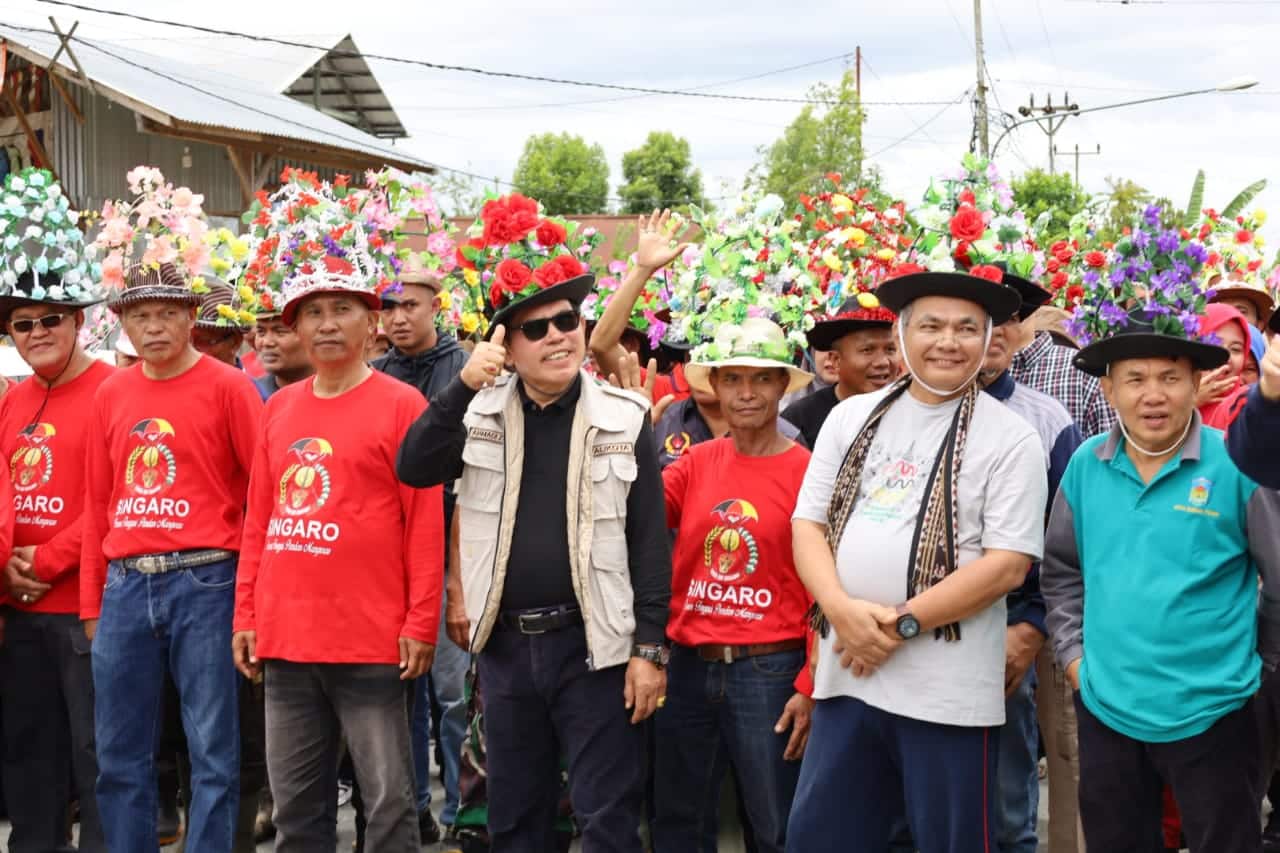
(264, 828)
(428, 829)
(168, 824)
(344, 793)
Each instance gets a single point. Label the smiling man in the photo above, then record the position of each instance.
(567, 622)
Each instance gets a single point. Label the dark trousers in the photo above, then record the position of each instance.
(541, 701)
(1215, 777)
(863, 766)
(47, 680)
(309, 709)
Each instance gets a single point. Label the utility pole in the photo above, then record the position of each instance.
(980, 111)
(857, 72)
(1050, 117)
(1077, 153)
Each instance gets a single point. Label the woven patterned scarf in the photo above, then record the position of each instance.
(934, 542)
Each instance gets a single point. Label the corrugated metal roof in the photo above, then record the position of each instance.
(165, 89)
(341, 84)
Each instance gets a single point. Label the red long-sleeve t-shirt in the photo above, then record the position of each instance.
(167, 467)
(44, 449)
(339, 558)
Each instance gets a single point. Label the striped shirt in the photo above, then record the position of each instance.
(1047, 367)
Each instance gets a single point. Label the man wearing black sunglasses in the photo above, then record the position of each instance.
(566, 566)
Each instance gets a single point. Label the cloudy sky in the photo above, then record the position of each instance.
(1100, 51)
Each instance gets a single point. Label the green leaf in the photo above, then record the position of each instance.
(1196, 203)
(1246, 195)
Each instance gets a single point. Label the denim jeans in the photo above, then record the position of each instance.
(448, 674)
(1017, 776)
(715, 708)
(47, 682)
(179, 621)
(310, 708)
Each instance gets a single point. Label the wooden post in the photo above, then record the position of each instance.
(34, 140)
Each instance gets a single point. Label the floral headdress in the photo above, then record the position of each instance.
(1153, 276)
(518, 252)
(42, 251)
(853, 244)
(312, 236)
(1236, 266)
(1068, 260)
(403, 207)
(651, 313)
(968, 223)
(752, 263)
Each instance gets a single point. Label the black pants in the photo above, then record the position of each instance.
(1215, 776)
(540, 702)
(48, 729)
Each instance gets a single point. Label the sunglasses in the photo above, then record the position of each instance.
(49, 321)
(536, 330)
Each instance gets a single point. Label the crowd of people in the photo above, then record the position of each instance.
(879, 516)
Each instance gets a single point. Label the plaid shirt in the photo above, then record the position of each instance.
(1047, 367)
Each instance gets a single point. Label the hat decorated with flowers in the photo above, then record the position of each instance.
(972, 243)
(223, 306)
(1236, 264)
(313, 237)
(755, 342)
(651, 313)
(403, 207)
(1067, 260)
(43, 258)
(1146, 302)
(853, 246)
(752, 262)
(525, 258)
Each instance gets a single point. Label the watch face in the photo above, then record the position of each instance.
(908, 627)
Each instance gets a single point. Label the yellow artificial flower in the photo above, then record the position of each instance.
(841, 202)
(197, 284)
(239, 249)
(853, 235)
(471, 277)
(246, 294)
(225, 235)
(868, 300)
(470, 322)
(886, 254)
(833, 262)
(1260, 216)
(227, 311)
(446, 300)
(246, 318)
(219, 265)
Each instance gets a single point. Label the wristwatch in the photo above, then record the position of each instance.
(908, 626)
(654, 653)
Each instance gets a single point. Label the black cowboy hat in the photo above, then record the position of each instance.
(574, 289)
(1033, 295)
(852, 318)
(1140, 340)
(999, 301)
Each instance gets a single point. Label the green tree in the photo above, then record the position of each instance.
(822, 138)
(660, 174)
(563, 172)
(1123, 203)
(1037, 191)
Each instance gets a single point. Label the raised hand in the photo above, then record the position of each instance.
(655, 248)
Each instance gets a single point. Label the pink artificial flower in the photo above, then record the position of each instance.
(113, 270)
(185, 202)
(160, 250)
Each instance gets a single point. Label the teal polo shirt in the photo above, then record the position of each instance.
(1156, 584)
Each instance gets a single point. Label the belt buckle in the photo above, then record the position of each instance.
(520, 617)
(728, 654)
(148, 565)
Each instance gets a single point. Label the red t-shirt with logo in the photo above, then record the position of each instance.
(340, 558)
(167, 467)
(733, 577)
(45, 456)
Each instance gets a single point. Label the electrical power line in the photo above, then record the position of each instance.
(465, 69)
(918, 129)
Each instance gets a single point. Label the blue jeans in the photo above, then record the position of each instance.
(181, 621)
(448, 674)
(1017, 779)
(717, 709)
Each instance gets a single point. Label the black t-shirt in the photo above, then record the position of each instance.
(811, 413)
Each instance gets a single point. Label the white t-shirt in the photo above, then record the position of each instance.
(1002, 496)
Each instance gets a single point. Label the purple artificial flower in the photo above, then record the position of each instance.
(1190, 323)
(1118, 275)
(1211, 338)
(1181, 271)
(1197, 252)
(1141, 239)
(1167, 242)
(1113, 315)
(1151, 216)
(1090, 278)
(1076, 326)
(1158, 309)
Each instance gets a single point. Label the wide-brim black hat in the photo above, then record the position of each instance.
(1140, 341)
(853, 317)
(574, 289)
(148, 283)
(999, 301)
(26, 284)
(1033, 295)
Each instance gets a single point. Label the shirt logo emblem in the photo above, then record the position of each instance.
(305, 485)
(676, 444)
(727, 545)
(31, 465)
(151, 468)
(1201, 487)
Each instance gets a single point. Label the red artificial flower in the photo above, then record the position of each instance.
(763, 256)
(905, 268)
(1074, 294)
(834, 177)
(961, 254)
(550, 233)
(1052, 265)
(1244, 236)
(1205, 230)
(1059, 281)
(758, 278)
(966, 197)
(340, 181)
(495, 293)
(1096, 259)
(513, 275)
(807, 201)
(558, 269)
(508, 219)
(1213, 260)
(1255, 265)
(968, 225)
(988, 272)
(476, 243)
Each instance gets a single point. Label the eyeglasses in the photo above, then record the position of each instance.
(536, 330)
(49, 321)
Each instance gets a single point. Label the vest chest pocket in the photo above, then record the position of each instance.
(611, 477)
(483, 476)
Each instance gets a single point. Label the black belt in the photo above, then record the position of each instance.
(158, 564)
(542, 620)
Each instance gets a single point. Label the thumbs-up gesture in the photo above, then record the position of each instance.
(486, 362)
(1269, 371)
